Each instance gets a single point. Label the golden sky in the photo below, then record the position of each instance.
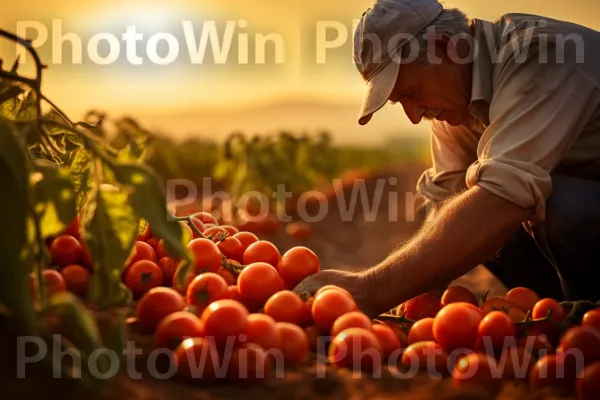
(182, 85)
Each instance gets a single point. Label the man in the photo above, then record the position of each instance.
(515, 181)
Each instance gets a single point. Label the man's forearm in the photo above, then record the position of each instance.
(465, 232)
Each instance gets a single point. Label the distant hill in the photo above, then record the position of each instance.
(338, 118)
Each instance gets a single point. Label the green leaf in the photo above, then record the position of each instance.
(148, 199)
(14, 289)
(111, 228)
(80, 172)
(53, 197)
(66, 316)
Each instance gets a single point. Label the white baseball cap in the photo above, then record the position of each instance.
(382, 32)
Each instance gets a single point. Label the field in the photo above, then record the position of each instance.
(105, 252)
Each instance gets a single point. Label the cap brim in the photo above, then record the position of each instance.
(378, 91)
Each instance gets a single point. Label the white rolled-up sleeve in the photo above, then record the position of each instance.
(537, 113)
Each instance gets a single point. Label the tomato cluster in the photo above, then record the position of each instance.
(515, 337)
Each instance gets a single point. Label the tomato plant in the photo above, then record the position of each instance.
(389, 341)
(421, 353)
(496, 327)
(187, 355)
(477, 370)
(458, 294)
(249, 362)
(65, 250)
(523, 297)
(77, 279)
(206, 255)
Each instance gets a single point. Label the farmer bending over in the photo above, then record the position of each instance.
(515, 118)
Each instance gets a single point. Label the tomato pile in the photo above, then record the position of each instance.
(235, 316)
(515, 337)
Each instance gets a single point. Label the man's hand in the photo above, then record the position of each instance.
(352, 282)
(467, 231)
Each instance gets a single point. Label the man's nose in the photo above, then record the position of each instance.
(413, 112)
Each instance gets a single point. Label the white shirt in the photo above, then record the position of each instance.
(530, 117)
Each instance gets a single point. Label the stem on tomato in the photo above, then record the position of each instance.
(188, 219)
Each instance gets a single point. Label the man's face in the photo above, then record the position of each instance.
(436, 91)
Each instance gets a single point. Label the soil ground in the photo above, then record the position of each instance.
(351, 243)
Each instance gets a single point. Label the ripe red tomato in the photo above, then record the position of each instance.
(153, 242)
(581, 341)
(246, 238)
(206, 255)
(353, 348)
(188, 355)
(423, 306)
(537, 344)
(293, 343)
(329, 287)
(226, 274)
(142, 251)
(388, 340)
(329, 306)
(588, 382)
(142, 276)
(506, 306)
(231, 248)
(168, 266)
(215, 233)
(541, 309)
(73, 228)
(263, 331)
(456, 326)
(353, 319)
(421, 354)
(307, 319)
(591, 319)
(199, 224)
(175, 328)
(205, 217)
(224, 321)
(262, 251)
(296, 264)
(314, 342)
(249, 363)
(285, 306)
(299, 230)
(496, 328)
(156, 304)
(518, 361)
(525, 298)
(232, 230)
(65, 250)
(257, 282)
(477, 370)
(552, 371)
(421, 331)
(189, 277)
(77, 279)
(205, 289)
(458, 294)
(54, 282)
(233, 293)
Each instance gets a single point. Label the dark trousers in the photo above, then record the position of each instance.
(559, 259)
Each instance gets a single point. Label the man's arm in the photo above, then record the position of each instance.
(466, 231)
